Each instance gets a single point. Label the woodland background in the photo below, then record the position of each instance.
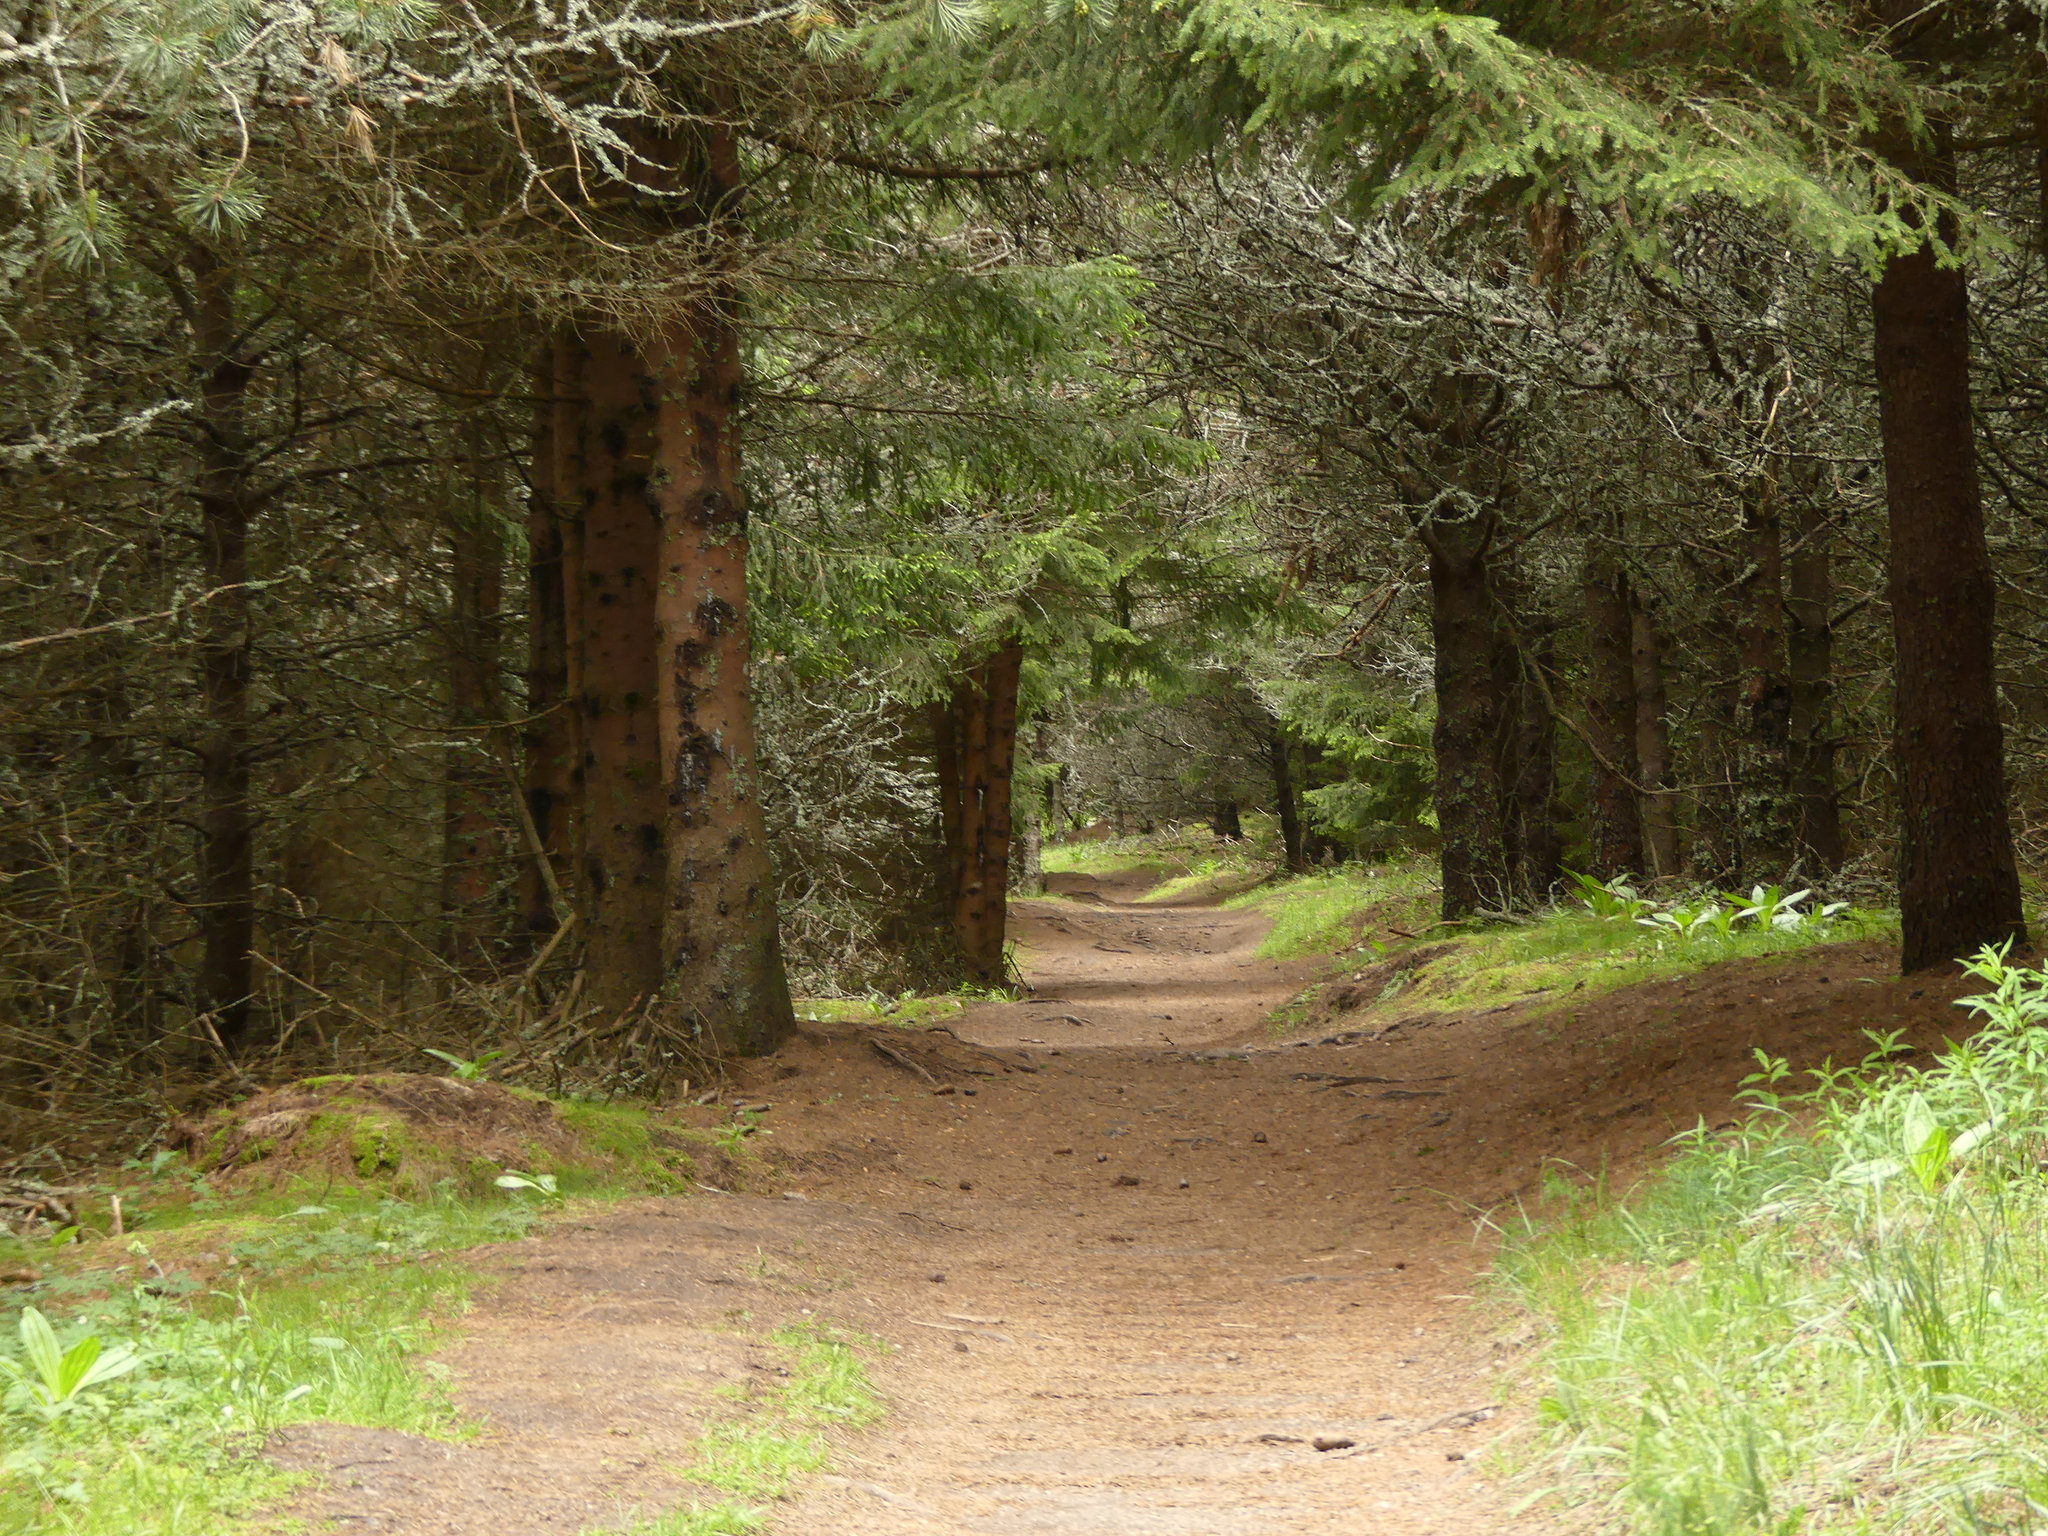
(446, 439)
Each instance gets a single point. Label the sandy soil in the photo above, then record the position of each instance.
(1137, 1256)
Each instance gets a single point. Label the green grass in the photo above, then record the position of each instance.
(1173, 855)
(321, 1317)
(1320, 913)
(1834, 1319)
(1560, 950)
(779, 1436)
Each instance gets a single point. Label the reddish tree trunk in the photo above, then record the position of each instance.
(547, 739)
(1614, 827)
(977, 751)
(227, 899)
(623, 852)
(1959, 883)
(722, 963)
(1468, 789)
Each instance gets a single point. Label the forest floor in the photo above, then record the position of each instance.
(1136, 1249)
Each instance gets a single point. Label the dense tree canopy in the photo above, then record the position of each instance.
(550, 524)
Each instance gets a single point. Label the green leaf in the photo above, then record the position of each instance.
(39, 1343)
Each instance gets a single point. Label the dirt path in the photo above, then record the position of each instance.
(1135, 1255)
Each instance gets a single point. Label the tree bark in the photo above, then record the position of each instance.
(547, 740)
(1653, 743)
(1529, 778)
(977, 752)
(1958, 878)
(1614, 828)
(721, 948)
(227, 902)
(1817, 816)
(1468, 788)
(1226, 823)
(1763, 771)
(1277, 755)
(623, 864)
(471, 834)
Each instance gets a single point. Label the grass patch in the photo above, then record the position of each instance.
(1172, 855)
(1833, 1319)
(287, 1318)
(756, 1457)
(1562, 949)
(1321, 913)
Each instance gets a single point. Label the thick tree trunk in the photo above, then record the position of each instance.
(227, 903)
(1468, 789)
(548, 738)
(1817, 825)
(1958, 879)
(1653, 744)
(1277, 755)
(721, 947)
(471, 835)
(1226, 823)
(1614, 827)
(623, 849)
(977, 752)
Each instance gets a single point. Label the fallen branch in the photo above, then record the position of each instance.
(897, 1058)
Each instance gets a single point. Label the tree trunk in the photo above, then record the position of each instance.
(1817, 824)
(1468, 789)
(1031, 879)
(1277, 753)
(977, 751)
(547, 739)
(1226, 823)
(1529, 778)
(1653, 743)
(1317, 846)
(623, 849)
(1959, 883)
(721, 947)
(1762, 765)
(1614, 828)
(227, 901)
(471, 835)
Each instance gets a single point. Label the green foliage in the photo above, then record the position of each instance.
(759, 1455)
(50, 1381)
(1320, 914)
(1786, 1311)
(141, 1415)
(465, 1070)
(1583, 954)
(1767, 907)
(1629, 110)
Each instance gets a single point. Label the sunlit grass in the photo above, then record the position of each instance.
(1573, 951)
(1321, 913)
(779, 1436)
(1836, 1330)
(321, 1318)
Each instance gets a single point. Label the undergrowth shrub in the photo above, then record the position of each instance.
(1832, 1318)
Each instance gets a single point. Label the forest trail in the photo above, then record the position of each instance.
(1132, 1266)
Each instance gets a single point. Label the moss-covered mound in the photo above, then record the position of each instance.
(416, 1134)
